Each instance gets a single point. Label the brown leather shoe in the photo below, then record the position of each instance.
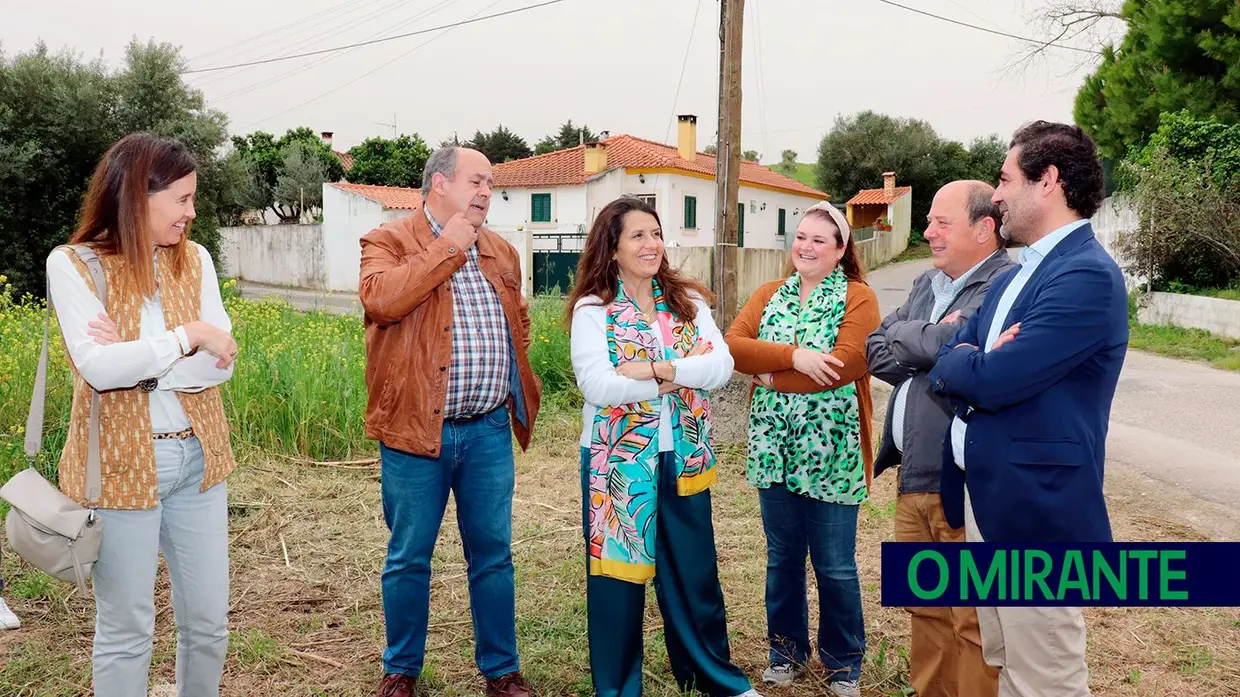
(511, 685)
(396, 685)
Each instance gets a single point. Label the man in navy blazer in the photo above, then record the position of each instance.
(1031, 378)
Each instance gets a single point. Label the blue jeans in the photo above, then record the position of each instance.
(190, 527)
(476, 465)
(795, 525)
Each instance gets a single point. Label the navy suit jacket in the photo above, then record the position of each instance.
(1035, 445)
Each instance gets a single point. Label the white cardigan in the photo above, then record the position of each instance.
(601, 385)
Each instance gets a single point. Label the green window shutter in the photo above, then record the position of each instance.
(690, 212)
(540, 208)
(783, 221)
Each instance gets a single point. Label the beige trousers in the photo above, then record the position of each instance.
(1039, 651)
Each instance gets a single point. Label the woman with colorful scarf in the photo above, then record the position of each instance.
(803, 340)
(645, 352)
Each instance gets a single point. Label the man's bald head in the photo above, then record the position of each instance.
(963, 226)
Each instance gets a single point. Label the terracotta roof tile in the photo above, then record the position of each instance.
(389, 196)
(567, 167)
(876, 197)
(346, 160)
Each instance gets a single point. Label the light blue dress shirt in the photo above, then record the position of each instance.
(1030, 258)
(945, 291)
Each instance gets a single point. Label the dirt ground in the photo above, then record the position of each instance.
(308, 546)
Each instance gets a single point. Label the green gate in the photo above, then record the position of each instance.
(555, 262)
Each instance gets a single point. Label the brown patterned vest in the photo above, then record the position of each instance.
(126, 450)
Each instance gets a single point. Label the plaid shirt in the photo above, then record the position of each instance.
(478, 377)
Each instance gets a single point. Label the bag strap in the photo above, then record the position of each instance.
(35, 421)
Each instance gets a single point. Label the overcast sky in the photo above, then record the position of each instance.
(612, 64)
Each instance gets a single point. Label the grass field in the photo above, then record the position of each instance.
(307, 546)
(807, 174)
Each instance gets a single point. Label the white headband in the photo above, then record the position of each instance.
(836, 216)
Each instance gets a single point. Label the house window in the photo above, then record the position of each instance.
(540, 208)
(648, 199)
(783, 222)
(690, 212)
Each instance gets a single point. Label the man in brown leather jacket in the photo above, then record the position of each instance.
(449, 381)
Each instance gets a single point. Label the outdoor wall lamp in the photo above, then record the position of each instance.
(763, 206)
(504, 195)
(641, 178)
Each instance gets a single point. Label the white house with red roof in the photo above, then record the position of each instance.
(563, 191)
(888, 208)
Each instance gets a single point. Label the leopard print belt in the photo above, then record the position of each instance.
(178, 435)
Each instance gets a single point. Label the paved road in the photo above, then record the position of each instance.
(307, 300)
(1174, 421)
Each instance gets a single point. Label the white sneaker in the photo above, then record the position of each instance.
(750, 693)
(845, 688)
(782, 673)
(7, 619)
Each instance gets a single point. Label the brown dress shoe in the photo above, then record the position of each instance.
(511, 685)
(395, 685)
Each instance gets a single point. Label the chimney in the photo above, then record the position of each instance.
(889, 184)
(686, 137)
(596, 157)
(327, 138)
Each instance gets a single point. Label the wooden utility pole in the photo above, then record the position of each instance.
(728, 159)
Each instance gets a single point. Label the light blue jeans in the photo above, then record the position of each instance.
(191, 529)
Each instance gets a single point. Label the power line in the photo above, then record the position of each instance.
(263, 84)
(449, 28)
(974, 14)
(331, 33)
(454, 25)
(988, 31)
(684, 64)
(305, 33)
(758, 68)
(271, 33)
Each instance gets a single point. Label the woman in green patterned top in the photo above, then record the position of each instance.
(810, 456)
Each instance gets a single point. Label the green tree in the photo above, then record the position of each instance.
(570, 135)
(500, 145)
(242, 189)
(59, 114)
(299, 188)
(787, 163)
(1185, 184)
(389, 162)
(751, 156)
(266, 156)
(1176, 55)
(986, 156)
(859, 148)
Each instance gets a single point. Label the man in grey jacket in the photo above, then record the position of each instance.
(963, 232)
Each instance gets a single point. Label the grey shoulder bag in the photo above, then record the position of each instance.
(46, 528)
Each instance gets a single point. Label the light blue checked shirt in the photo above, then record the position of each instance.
(1031, 258)
(945, 291)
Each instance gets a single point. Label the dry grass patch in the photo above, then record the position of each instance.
(308, 547)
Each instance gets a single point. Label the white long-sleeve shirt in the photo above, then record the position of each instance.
(157, 353)
(601, 385)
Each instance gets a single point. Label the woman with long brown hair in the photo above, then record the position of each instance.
(154, 353)
(646, 352)
(803, 340)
